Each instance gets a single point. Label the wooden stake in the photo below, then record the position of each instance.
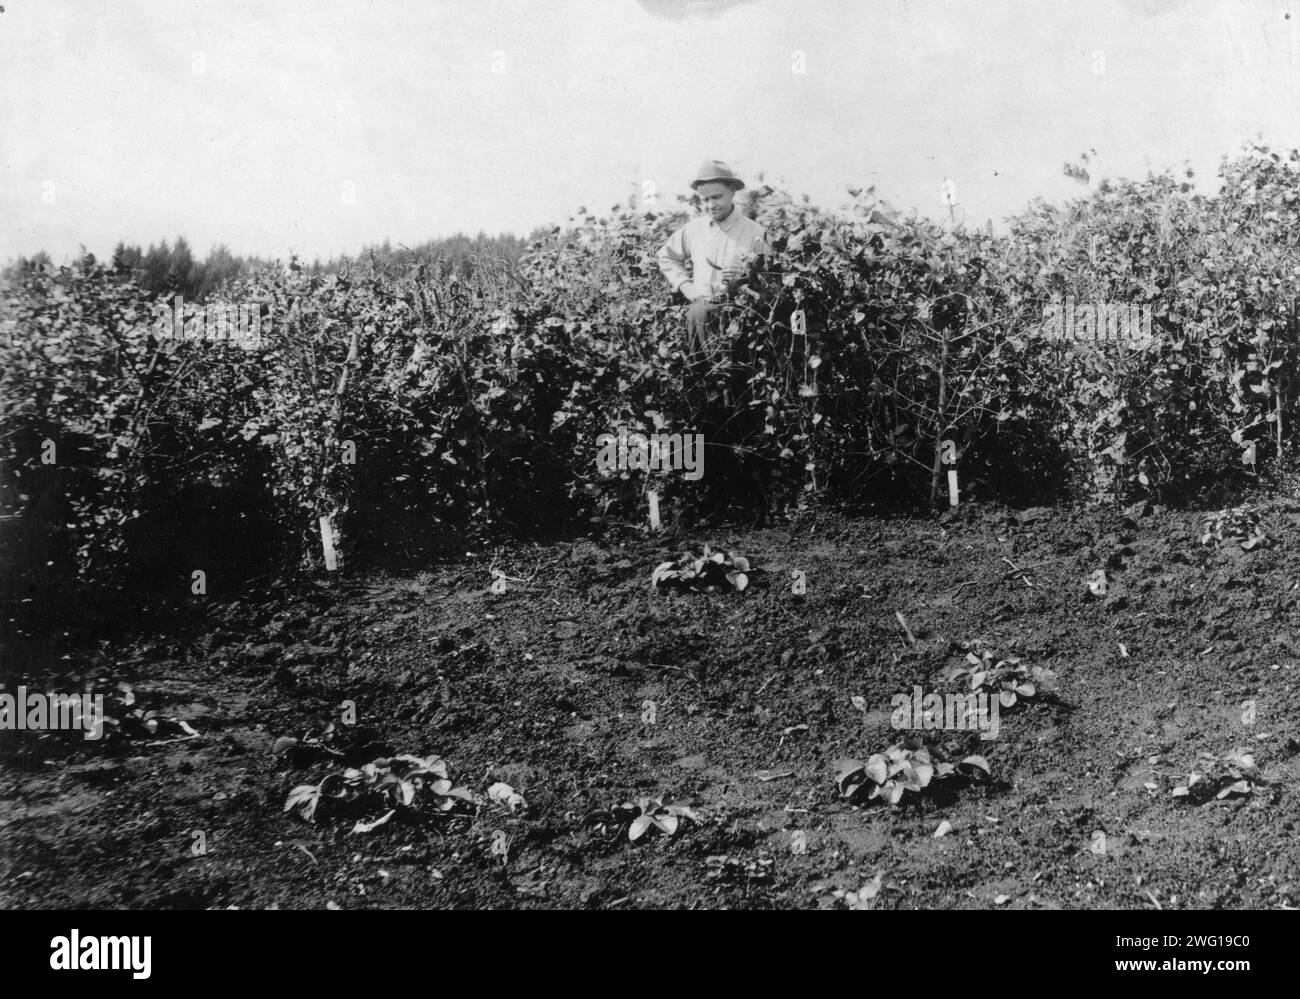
(653, 497)
(952, 487)
(327, 542)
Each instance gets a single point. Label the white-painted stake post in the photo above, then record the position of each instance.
(653, 497)
(327, 542)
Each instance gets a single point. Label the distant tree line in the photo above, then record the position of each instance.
(174, 269)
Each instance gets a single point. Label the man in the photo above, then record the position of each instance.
(719, 247)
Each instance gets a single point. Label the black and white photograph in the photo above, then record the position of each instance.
(615, 455)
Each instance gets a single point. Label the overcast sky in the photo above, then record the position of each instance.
(317, 126)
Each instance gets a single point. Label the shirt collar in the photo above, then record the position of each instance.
(729, 223)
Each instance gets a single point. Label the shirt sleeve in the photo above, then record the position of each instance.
(672, 259)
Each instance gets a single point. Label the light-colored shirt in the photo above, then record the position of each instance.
(710, 247)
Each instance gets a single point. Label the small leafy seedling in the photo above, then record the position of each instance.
(891, 774)
(863, 897)
(323, 743)
(1240, 525)
(712, 572)
(646, 814)
(125, 717)
(405, 786)
(1009, 679)
(1220, 777)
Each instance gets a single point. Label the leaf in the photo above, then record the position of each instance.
(405, 792)
(1098, 843)
(1025, 690)
(665, 570)
(859, 702)
(1240, 787)
(1007, 697)
(683, 811)
(431, 764)
(945, 827)
(668, 823)
(365, 827)
(846, 767)
(639, 827)
(872, 888)
(740, 562)
(976, 761)
(921, 774)
(304, 798)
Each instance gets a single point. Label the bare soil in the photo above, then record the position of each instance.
(545, 687)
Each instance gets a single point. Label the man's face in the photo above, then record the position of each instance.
(717, 198)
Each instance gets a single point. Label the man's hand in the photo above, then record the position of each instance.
(739, 270)
(694, 293)
(736, 273)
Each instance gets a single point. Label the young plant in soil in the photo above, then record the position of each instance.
(406, 787)
(890, 775)
(646, 815)
(347, 745)
(125, 717)
(712, 572)
(1220, 777)
(1009, 680)
(1240, 525)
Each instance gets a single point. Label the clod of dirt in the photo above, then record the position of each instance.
(1034, 513)
(96, 770)
(265, 653)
